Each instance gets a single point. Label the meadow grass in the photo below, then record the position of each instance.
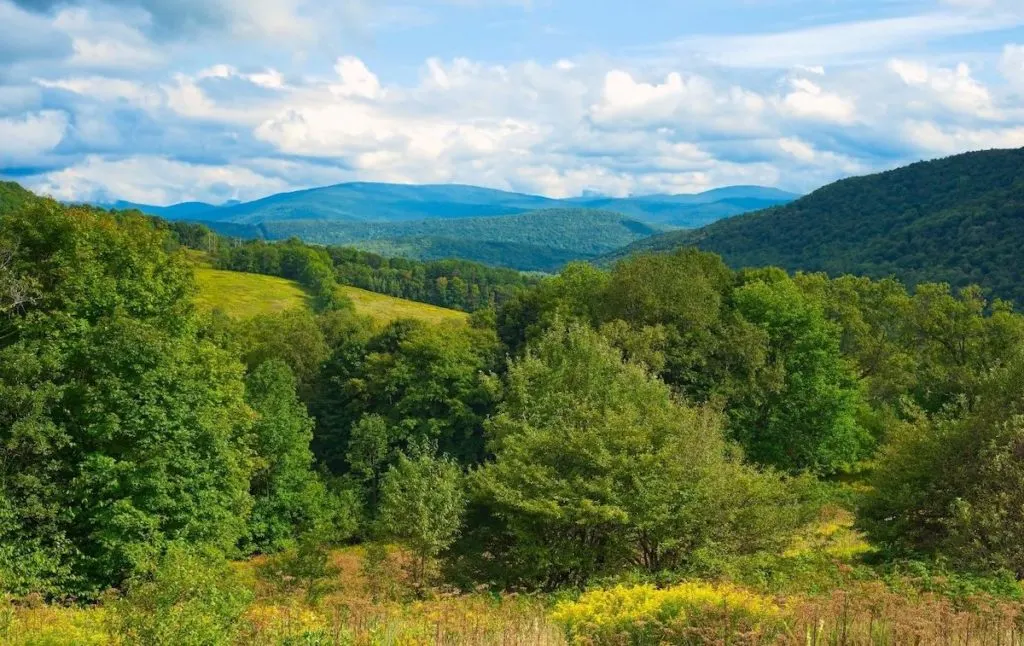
(242, 295)
(384, 309)
(354, 613)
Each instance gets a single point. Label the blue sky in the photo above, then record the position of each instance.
(161, 101)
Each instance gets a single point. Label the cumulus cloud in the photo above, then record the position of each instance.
(154, 180)
(954, 88)
(160, 101)
(807, 100)
(27, 37)
(937, 139)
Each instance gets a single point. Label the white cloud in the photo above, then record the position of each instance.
(107, 89)
(154, 180)
(356, 79)
(27, 137)
(103, 42)
(954, 88)
(807, 100)
(933, 138)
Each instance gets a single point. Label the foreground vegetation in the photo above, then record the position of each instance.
(667, 451)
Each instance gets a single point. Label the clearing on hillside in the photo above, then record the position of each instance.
(385, 309)
(243, 295)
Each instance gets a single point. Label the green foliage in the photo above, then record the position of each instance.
(288, 496)
(951, 484)
(421, 505)
(187, 600)
(598, 469)
(953, 220)
(429, 385)
(806, 419)
(293, 337)
(121, 429)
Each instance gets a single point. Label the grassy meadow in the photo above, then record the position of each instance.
(243, 295)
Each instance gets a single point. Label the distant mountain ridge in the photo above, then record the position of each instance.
(428, 222)
(375, 202)
(958, 220)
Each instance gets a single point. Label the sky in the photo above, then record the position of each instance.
(163, 101)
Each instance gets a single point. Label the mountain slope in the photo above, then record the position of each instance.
(12, 196)
(539, 240)
(363, 202)
(958, 220)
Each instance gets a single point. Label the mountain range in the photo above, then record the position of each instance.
(526, 232)
(373, 202)
(958, 220)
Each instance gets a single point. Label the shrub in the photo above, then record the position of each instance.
(188, 600)
(690, 613)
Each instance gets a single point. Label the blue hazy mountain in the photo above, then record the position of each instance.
(372, 202)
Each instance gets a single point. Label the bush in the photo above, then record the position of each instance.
(690, 613)
(188, 600)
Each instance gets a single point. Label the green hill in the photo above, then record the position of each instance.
(12, 195)
(539, 240)
(958, 220)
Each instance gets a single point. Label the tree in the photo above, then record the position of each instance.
(807, 418)
(369, 450)
(289, 498)
(429, 383)
(294, 337)
(422, 502)
(120, 428)
(952, 484)
(597, 468)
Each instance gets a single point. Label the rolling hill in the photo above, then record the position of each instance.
(958, 220)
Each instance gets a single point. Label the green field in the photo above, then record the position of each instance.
(385, 309)
(244, 295)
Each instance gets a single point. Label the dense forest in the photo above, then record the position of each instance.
(956, 220)
(654, 452)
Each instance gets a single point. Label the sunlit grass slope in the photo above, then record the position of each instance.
(384, 309)
(242, 295)
(246, 295)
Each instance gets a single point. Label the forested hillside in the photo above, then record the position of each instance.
(667, 450)
(958, 220)
(538, 241)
